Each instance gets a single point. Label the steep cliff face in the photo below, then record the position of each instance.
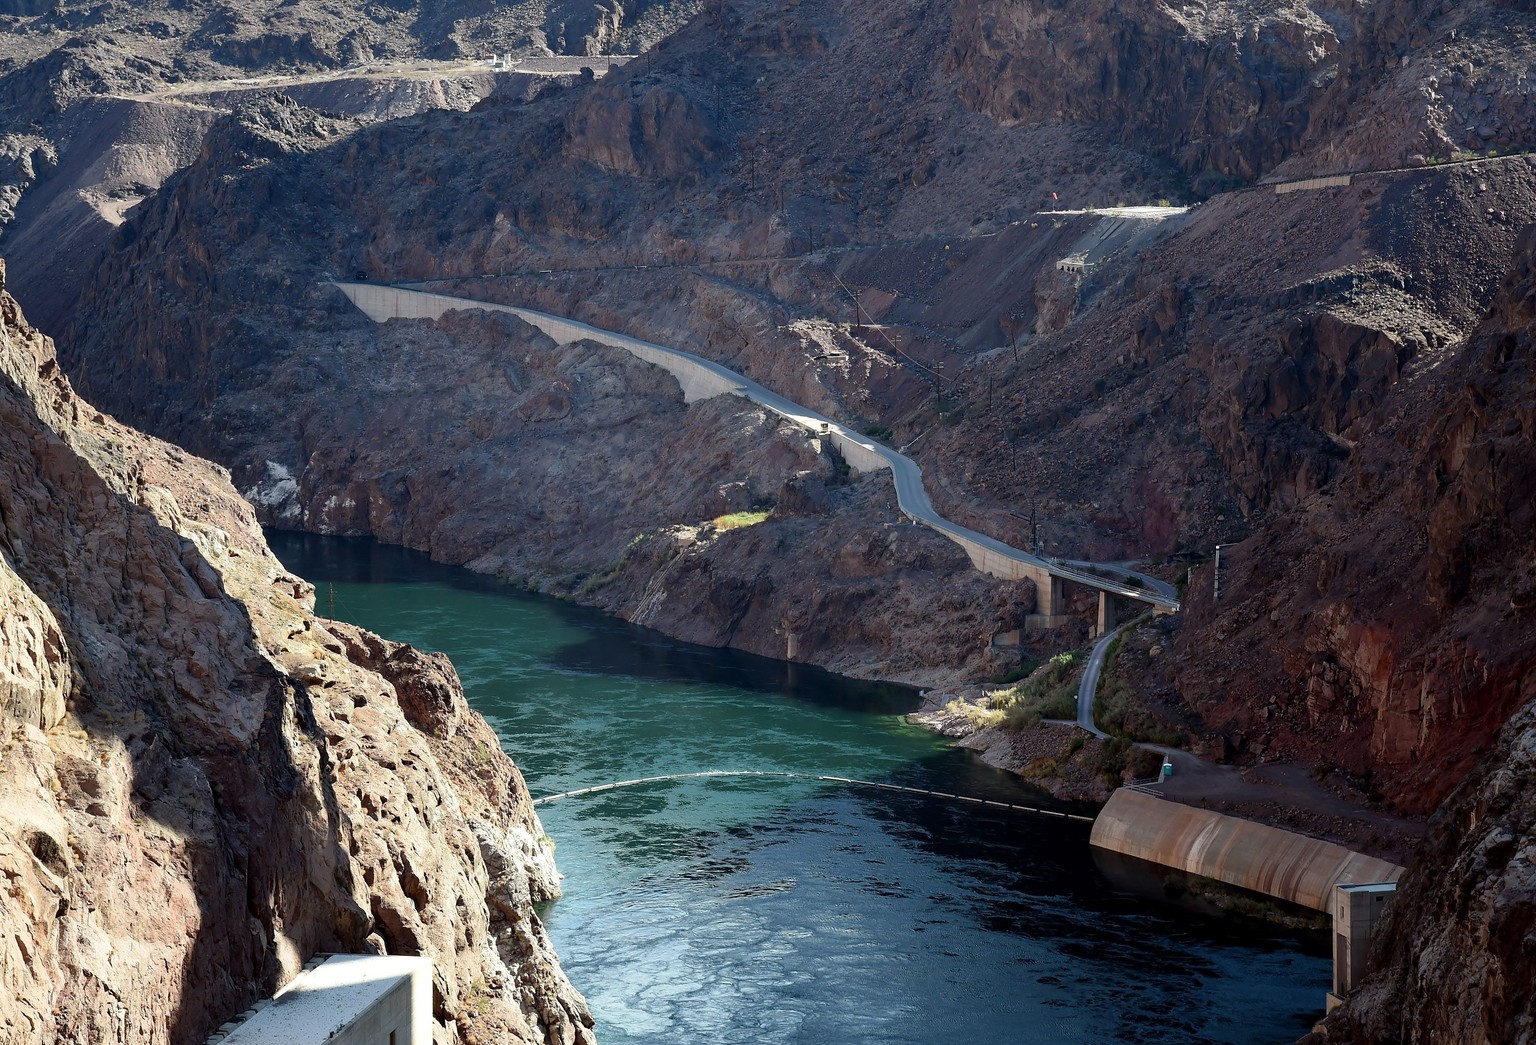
(204, 784)
(1454, 961)
(1221, 87)
(1395, 608)
(1235, 90)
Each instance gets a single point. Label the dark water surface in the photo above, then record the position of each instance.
(764, 911)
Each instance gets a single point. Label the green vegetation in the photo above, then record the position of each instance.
(1050, 692)
(980, 716)
(478, 998)
(1023, 671)
(738, 520)
(879, 432)
(1119, 754)
(1119, 713)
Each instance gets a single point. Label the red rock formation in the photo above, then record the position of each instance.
(1390, 622)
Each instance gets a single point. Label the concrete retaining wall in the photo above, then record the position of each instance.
(1329, 182)
(1266, 860)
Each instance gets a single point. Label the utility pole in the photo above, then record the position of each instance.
(1216, 581)
(857, 325)
(938, 380)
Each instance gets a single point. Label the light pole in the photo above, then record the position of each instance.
(1216, 581)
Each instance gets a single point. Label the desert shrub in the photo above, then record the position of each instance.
(1049, 692)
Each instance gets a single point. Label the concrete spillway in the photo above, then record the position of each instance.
(1252, 856)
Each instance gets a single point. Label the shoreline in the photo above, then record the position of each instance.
(1066, 762)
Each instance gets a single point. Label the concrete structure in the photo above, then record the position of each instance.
(1329, 182)
(1253, 856)
(348, 999)
(702, 379)
(1119, 230)
(1357, 913)
(1108, 617)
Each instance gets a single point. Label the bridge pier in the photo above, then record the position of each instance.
(1050, 602)
(1109, 614)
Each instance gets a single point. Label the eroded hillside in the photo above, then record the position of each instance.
(1215, 375)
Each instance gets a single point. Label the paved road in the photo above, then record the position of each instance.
(702, 377)
(1136, 578)
(1089, 686)
(558, 65)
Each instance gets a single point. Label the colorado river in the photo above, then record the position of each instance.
(765, 910)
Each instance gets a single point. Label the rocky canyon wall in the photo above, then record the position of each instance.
(204, 784)
(1453, 961)
(1265, 367)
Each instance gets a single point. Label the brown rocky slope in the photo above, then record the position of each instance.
(204, 784)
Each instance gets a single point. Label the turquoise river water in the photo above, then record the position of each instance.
(758, 911)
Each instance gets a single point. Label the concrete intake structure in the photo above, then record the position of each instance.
(703, 379)
(1252, 856)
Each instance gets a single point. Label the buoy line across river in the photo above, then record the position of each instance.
(545, 799)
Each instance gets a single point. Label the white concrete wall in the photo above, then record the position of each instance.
(349, 999)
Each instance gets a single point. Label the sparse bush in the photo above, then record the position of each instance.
(738, 520)
(981, 715)
(1023, 671)
(1049, 692)
(1117, 710)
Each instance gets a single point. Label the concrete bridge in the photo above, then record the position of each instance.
(703, 379)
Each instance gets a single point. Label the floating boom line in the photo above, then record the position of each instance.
(715, 773)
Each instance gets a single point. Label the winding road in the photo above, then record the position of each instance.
(702, 378)
(1089, 686)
